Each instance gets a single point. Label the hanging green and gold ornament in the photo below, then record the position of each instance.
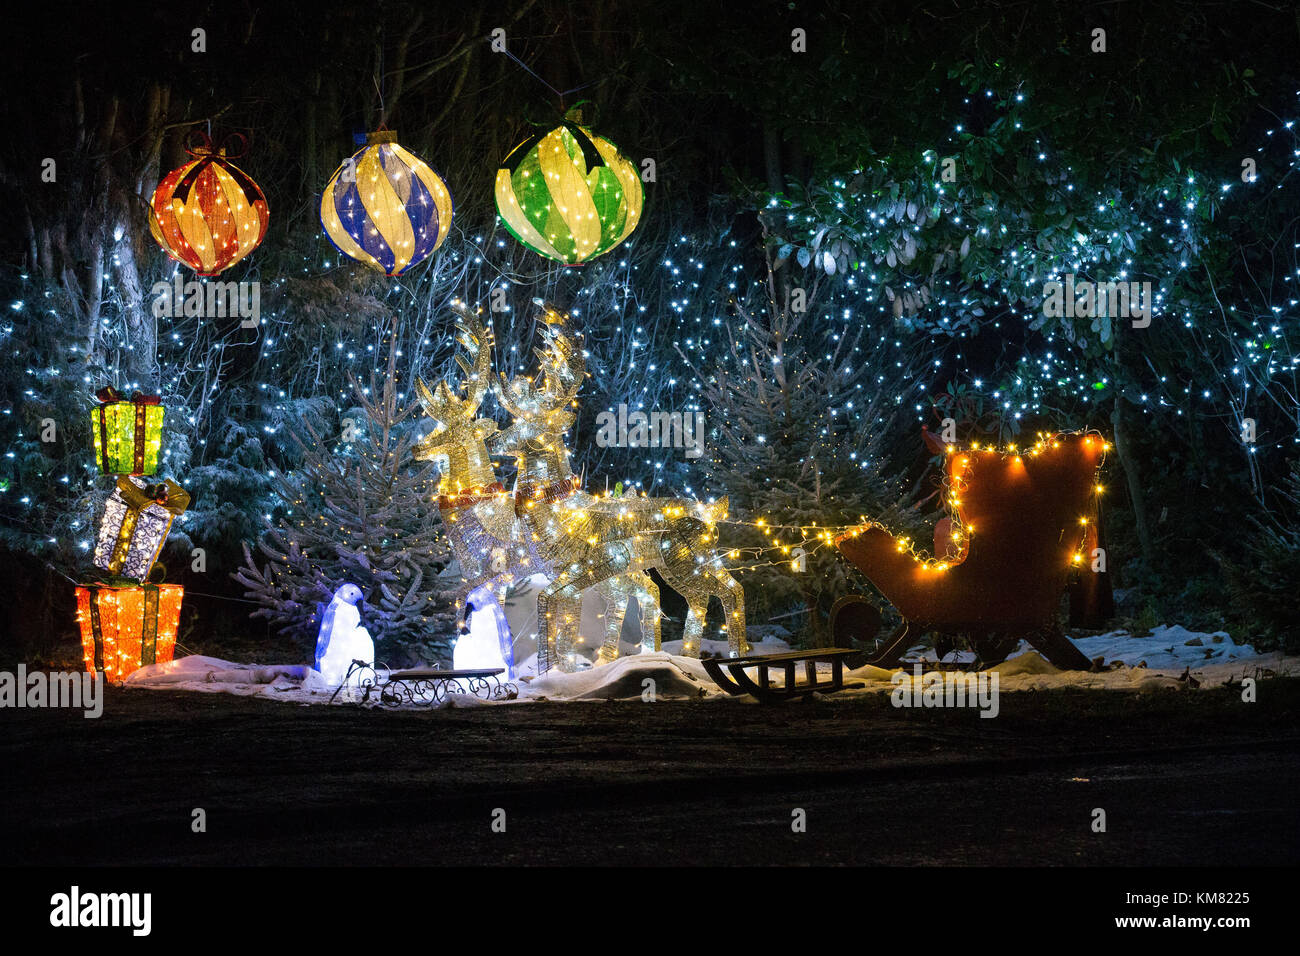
(569, 194)
(385, 207)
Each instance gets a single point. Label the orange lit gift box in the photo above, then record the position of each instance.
(125, 626)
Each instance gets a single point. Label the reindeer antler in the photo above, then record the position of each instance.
(458, 424)
(477, 340)
(567, 367)
(562, 372)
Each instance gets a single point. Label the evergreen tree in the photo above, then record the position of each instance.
(1263, 599)
(362, 511)
(800, 409)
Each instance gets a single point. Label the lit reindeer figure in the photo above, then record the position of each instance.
(490, 542)
(477, 514)
(588, 540)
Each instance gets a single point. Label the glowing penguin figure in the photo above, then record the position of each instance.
(342, 639)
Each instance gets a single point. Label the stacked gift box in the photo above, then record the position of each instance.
(127, 620)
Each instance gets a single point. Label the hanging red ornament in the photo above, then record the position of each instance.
(209, 214)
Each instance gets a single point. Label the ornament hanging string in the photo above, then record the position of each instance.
(232, 146)
(379, 85)
(559, 94)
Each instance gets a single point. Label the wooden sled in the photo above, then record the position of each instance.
(989, 648)
(730, 674)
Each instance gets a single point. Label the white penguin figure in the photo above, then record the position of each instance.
(342, 639)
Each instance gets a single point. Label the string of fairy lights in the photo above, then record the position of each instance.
(812, 537)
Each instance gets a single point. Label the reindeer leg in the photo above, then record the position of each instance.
(732, 596)
(697, 603)
(559, 608)
(647, 603)
(690, 586)
(559, 611)
(552, 651)
(616, 592)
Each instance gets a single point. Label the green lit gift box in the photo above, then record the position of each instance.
(128, 433)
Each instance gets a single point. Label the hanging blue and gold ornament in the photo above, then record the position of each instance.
(385, 207)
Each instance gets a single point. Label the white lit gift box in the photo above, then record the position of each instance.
(134, 528)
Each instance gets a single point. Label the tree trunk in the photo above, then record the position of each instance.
(772, 157)
(141, 359)
(1132, 472)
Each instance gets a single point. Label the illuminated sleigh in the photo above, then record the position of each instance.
(1023, 522)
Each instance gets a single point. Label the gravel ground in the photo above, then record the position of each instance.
(1184, 779)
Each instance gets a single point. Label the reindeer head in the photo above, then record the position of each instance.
(542, 407)
(461, 436)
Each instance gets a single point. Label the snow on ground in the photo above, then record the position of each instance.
(1158, 659)
(528, 669)
(1164, 658)
(295, 683)
(625, 679)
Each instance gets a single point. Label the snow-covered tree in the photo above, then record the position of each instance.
(800, 407)
(358, 509)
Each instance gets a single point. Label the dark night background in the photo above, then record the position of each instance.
(760, 152)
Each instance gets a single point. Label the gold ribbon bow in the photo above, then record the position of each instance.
(167, 493)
